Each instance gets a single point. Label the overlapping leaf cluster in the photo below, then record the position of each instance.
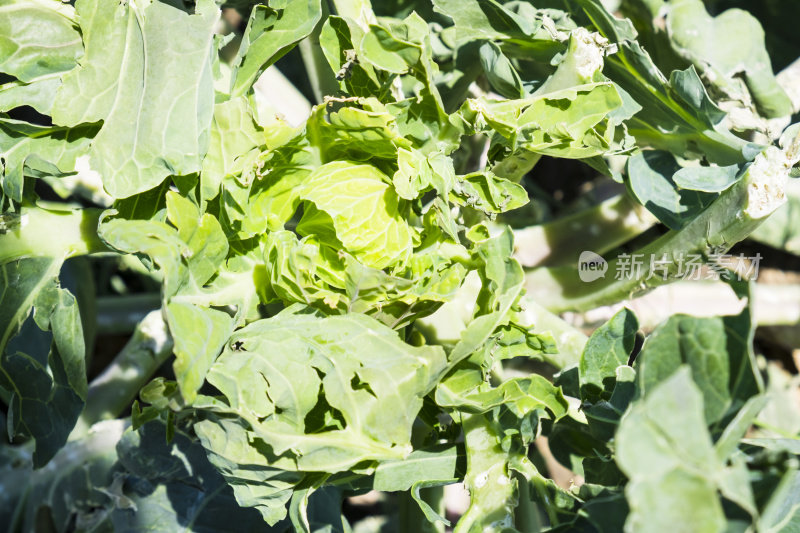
(343, 302)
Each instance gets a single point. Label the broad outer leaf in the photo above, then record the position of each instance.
(485, 19)
(252, 472)
(147, 75)
(38, 94)
(434, 464)
(275, 373)
(724, 48)
(717, 351)
(73, 485)
(37, 38)
(663, 446)
(171, 486)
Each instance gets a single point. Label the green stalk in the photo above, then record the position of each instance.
(276, 89)
(732, 217)
(492, 491)
(38, 232)
(112, 392)
(610, 224)
(320, 76)
(118, 315)
(660, 110)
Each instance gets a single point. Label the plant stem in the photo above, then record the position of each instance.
(111, 392)
(280, 94)
(610, 224)
(772, 304)
(320, 75)
(732, 217)
(38, 232)
(493, 493)
(121, 314)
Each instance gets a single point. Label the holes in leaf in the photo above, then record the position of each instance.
(323, 417)
(28, 114)
(357, 384)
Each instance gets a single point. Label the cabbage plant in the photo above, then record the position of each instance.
(324, 237)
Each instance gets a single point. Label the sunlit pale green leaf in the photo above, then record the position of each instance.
(271, 32)
(147, 75)
(664, 448)
(338, 391)
(566, 123)
(234, 141)
(437, 463)
(194, 353)
(485, 19)
(37, 94)
(363, 210)
(727, 48)
(489, 193)
(339, 39)
(40, 39)
(504, 279)
(467, 390)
